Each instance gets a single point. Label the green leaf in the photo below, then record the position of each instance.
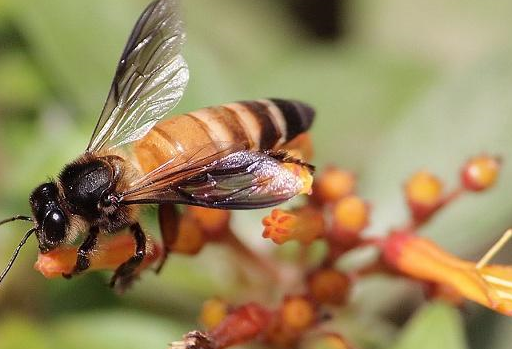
(18, 332)
(71, 44)
(121, 329)
(435, 326)
(20, 86)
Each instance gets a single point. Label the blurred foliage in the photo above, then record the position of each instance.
(436, 318)
(412, 84)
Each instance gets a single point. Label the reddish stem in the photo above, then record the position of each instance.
(265, 265)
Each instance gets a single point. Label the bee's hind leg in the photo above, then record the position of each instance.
(168, 218)
(82, 259)
(124, 274)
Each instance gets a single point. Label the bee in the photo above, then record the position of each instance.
(224, 157)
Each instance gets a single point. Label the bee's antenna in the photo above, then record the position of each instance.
(16, 251)
(17, 218)
(20, 245)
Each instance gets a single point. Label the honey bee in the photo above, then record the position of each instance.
(225, 157)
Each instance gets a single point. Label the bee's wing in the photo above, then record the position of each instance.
(149, 81)
(240, 180)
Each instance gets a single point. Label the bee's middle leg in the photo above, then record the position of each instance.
(168, 218)
(125, 272)
(82, 259)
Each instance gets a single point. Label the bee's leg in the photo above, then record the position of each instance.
(82, 258)
(168, 217)
(126, 270)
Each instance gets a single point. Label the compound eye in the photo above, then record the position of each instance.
(54, 226)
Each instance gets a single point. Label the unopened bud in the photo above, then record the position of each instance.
(424, 193)
(214, 311)
(480, 173)
(329, 286)
(333, 184)
(350, 215)
(298, 313)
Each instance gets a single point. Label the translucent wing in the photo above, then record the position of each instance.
(241, 180)
(150, 78)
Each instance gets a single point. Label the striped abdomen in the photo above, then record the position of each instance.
(257, 125)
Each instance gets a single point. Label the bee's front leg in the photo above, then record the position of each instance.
(82, 259)
(123, 275)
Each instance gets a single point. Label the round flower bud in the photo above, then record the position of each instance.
(213, 312)
(332, 185)
(424, 193)
(297, 313)
(351, 214)
(480, 173)
(329, 286)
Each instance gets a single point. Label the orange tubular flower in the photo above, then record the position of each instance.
(112, 253)
(420, 258)
(304, 225)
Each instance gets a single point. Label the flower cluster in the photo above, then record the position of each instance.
(336, 215)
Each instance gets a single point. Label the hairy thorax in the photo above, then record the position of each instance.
(89, 186)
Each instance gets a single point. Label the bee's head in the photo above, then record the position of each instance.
(50, 219)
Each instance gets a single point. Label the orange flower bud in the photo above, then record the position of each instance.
(297, 313)
(350, 215)
(333, 184)
(424, 194)
(110, 254)
(190, 239)
(329, 286)
(213, 313)
(243, 324)
(213, 222)
(304, 225)
(480, 173)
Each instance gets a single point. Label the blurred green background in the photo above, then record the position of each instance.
(398, 85)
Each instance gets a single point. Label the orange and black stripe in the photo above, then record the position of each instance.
(278, 120)
(258, 125)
